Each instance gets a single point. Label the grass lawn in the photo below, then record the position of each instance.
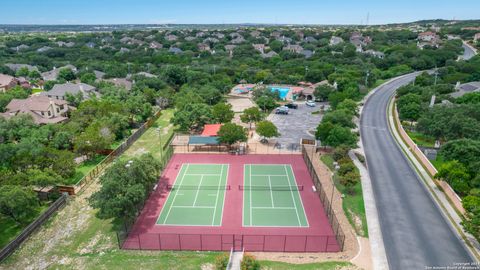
(151, 141)
(421, 139)
(353, 205)
(10, 229)
(36, 90)
(308, 266)
(83, 169)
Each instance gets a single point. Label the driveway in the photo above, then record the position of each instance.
(295, 126)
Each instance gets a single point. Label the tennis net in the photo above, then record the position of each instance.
(273, 188)
(202, 187)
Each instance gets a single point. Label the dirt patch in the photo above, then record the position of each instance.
(208, 266)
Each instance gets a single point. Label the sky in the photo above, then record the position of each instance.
(228, 11)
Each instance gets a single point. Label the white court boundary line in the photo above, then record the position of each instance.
(186, 165)
(251, 208)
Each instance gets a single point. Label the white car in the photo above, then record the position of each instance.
(310, 103)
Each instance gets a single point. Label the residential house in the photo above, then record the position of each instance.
(211, 40)
(270, 54)
(229, 49)
(175, 50)
(52, 75)
(259, 47)
(155, 45)
(428, 39)
(190, 38)
(200, 34)
(238, 38)
(285, 39)
(124, 50)
(146, 74)
(21, 47)
(427, 36)
(44, 49)
(43, 109)
(293, 48)
(65, 44)
(126, 40)
(203, 47)
(171, 38)
(462, 89)
(476, 38)
(90, 45)
(275, 34)
(60, 91)
(255, 33)
(335, 40)
(7, 82)
(98, 74)
(310, 39)
(359, 41)
(307, 53)
(219, 35)
(16, 67)
(122, 82)
(373, 53)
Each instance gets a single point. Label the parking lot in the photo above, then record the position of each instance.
(297, 124)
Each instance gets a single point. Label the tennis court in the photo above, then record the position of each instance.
(197, 196)
(271, 197)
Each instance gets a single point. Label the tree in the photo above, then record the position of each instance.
(454, 173)
(323, 130)
(88, 78)
(466, 151)
(409, 107)
(43, 178)
(96, 137)
(17, 203)
(266, 103)
(323, 91)
(341, 136)
(66, 74)
(125, 186)
(251, 115)
(267, 129)
(339, 117)
(193, 116)
(22, 72)
(349, 106)
(231, 133)
(222, 112)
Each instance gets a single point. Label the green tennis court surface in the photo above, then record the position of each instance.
(197, 197)
(271, 197)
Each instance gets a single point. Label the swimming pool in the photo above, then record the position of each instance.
(283, 91)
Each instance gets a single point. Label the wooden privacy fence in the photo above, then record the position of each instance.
(447, 189)
(95, 172)
(32, 227)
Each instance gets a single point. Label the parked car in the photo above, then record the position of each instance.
(281, 110)
(291, 105)
(310, 103)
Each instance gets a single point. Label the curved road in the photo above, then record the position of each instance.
(414, 231)
(468, 53)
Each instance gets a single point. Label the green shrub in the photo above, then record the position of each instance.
(249, 263)
(221, 261)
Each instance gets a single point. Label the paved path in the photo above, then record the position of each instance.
(415, 232)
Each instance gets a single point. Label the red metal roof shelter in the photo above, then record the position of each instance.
(211, 129)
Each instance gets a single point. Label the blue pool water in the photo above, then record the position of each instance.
(282, 91)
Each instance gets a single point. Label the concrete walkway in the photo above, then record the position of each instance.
(235, 260)
(378, 255)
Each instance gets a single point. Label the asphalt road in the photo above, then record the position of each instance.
(414, 231)
(467, 53)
